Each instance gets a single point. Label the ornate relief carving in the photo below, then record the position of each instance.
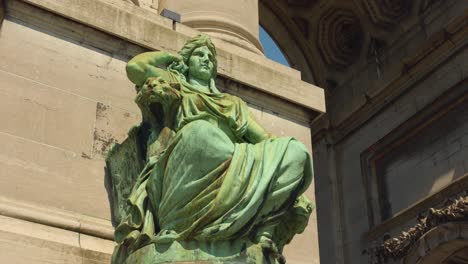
(426, 5)
(386, 12)
(340, 37)
(398, 247)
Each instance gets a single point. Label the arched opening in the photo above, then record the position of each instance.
(271, 48)
(444, 244)
(288, 39)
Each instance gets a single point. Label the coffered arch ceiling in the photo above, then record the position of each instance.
(327, 39)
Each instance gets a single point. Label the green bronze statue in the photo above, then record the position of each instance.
(200, 179)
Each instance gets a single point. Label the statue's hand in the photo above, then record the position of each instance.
(177, 58)
(166, 58)
(177, 63)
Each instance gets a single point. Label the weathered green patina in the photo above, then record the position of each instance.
(200, 179)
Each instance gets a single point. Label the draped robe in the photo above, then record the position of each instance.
(209, 183)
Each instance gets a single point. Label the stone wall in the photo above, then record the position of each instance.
(66, 100)
(365, 135)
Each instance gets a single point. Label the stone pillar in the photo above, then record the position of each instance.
(233, 21)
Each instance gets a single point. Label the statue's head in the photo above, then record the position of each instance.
(198, 59)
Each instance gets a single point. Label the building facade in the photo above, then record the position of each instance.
(66, 100)
(390, 154)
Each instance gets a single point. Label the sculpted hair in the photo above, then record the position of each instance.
(187, 50)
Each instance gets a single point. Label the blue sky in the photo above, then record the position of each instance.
(272, 50)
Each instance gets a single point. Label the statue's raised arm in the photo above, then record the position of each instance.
(213, 184)
(150, 65)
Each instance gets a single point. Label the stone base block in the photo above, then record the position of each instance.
(23, 242)
(199, 252)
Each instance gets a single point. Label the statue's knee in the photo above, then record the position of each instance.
(199, 131)
(197, 126)
(297, 152)
(205, 137)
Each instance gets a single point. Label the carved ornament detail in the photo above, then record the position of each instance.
(398, 247)
(340, 37)
(386, 13)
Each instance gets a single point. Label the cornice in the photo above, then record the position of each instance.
(439, 48)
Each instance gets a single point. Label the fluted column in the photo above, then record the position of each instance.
(233, 21)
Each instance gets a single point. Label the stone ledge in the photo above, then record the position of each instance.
(58, 218)
(232, 252)
(23, 242)
(151, 31)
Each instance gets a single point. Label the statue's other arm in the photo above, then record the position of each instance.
(255, 132)
(149, 64)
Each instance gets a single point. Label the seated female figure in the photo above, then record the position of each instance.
(212, 173)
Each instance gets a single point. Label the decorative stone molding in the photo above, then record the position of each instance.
(386, 13)
(340, 37)
(396, 248)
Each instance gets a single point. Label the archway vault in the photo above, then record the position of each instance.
(444, 244)
(327, 40)
(276, 21)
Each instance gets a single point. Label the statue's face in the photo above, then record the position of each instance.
(201, 64)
